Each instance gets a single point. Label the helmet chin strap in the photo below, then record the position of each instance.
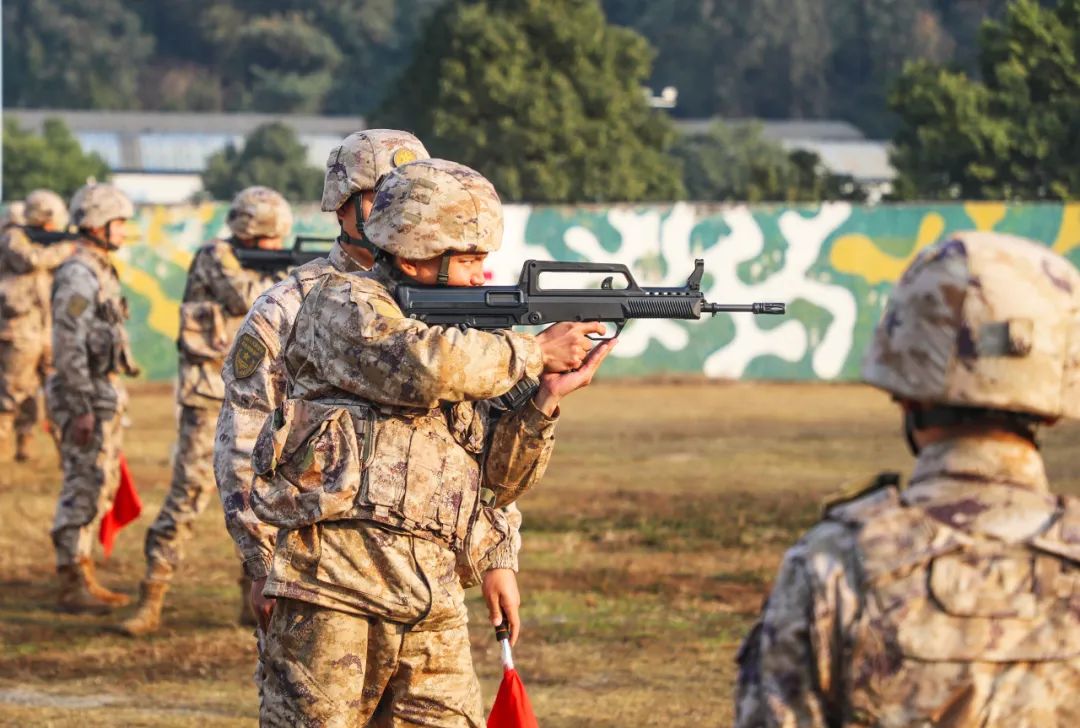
(107, 243)
(444, 269)
(361, 242)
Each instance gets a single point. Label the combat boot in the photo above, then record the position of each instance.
(74, 596)
(99, 590)
(147, 617)
(22, 447)
(247, 611)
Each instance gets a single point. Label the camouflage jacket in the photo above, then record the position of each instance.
(90, 345)
(26, 270)
(255, 380)
(385, 450)
(218, 294)
(953, 603)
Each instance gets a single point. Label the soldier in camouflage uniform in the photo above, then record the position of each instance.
(254, 372)
(85, 396)
(386, 469)
(955, 601)
(219, 293)
(26, 269)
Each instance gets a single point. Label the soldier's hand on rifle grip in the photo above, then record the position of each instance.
(553, 387)
(565, 345)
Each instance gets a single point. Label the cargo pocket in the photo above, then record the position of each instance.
(310, 462)
(202, 331)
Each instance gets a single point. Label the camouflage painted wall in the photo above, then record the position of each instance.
(832, 264)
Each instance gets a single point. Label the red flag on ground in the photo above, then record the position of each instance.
(126, 508)
(512, 708)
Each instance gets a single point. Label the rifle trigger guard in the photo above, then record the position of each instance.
(619, 326)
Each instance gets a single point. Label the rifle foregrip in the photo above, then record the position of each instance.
(661, 307)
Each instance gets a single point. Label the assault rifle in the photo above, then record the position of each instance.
(49, 237)
(270, 261)
(529, 303)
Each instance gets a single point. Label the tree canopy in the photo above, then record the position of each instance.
(732, 58)
(52, 160)
(271, 156)
(1014, 134)
(543, 97)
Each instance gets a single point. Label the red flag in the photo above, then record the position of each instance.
(126, 508)
(512, 708)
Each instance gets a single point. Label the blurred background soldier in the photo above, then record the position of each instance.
(254, 372)
(219, 293)
(85, 396)
(27, 261)
(14, 215)
(955, 601)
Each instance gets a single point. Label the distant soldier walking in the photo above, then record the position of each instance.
(219, 292)
(955, 601)
(85, 396)
(26, 272)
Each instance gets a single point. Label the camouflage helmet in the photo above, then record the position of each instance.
(362, 160)
(43, 207)
(259, 212)
(96, 205)
(15, 214)
(983, 320)
(432, 207)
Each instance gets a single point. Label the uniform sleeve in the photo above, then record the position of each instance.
(359, 342)
(791, 664)
(73, 303)
(520, 450)
(249, 399)
(22, 256)
(225, 278)
(507, 553)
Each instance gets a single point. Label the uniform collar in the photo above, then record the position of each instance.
(343, 261)
(91, 248)
(1002, 460)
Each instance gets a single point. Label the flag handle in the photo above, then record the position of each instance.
(502, 634)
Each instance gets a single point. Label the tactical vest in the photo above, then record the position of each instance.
(963, 628)
(207, 331)
(413, 469)
(107, 344)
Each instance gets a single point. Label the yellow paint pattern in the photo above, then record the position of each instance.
(985, 215)
(856, 254)
(164, 316)
(1069, 234)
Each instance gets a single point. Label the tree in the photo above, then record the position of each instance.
(81, 54)
(272, 156)
(1012, 135)
(53, 160)
(541, 96)
(735, 163)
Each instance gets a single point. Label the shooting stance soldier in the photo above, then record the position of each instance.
(218, 294)
(85, 396)
(955, 601)
(26, 273)
(386, 469)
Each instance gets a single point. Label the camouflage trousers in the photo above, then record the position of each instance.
(326, 668)
(22, 367)
(91, 477)
(191, 490)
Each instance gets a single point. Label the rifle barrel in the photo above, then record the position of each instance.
(756, 308)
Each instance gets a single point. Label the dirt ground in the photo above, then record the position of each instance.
(648, 549)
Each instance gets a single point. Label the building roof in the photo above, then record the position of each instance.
(781, 129)
(181, 142)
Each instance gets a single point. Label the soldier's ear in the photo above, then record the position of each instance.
(406, 266)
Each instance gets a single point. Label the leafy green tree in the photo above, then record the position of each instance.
(734, 163)
(74, 54)
(272, 156)
(1012, 135)
(53, 160)
(541, 96)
